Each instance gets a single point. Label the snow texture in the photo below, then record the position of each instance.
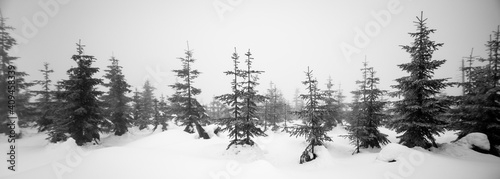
(177, 154)
(393, 152)
(475, 139)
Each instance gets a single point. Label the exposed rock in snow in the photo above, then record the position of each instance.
(475, 139)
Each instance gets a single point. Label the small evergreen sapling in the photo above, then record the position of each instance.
(251, 98)
(332, 105)
(189, 111)
(233, 124)
(45, 102)
(243, 104)
(314, 116)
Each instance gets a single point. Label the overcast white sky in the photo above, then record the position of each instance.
(285, 37)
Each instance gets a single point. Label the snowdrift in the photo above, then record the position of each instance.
(176, 154)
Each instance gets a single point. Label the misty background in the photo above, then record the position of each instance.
(285, 36)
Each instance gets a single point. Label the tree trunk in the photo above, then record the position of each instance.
(201, 132)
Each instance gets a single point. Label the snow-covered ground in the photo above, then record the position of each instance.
(176, 154)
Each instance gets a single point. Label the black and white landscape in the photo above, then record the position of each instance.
(222, 89)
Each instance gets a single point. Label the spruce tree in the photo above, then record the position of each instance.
(190, 112)
(355, 115)
(417, 114)
(233, 124)
(243, 102)
(274, 107)
(479, 108)
(160, 114)
(45, 102)
(341, 106)
(374, 113)
(250, 100)
(115, 99)
(20, 93)
(136, 109)
(164, 114)
(25, 110)
(367, 113)
(6, 42)
(314, 116)
(147, 105)
(332, 105)
(82, 113)
(298, 103)
(357, 132)
(46, 93)
(56, 116)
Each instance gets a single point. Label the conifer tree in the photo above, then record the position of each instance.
(417, 113)
(190, 112)
(164, 113)
(332, 105)
(233, 124)
(274, 107)
(156, 116)
(45, 102)
(115, 99)
(147, 106)
(367, 113)
(136, 108)
(46, 93)
(479, 108)
(243, 102)
(355, 127)
(250, 100)
(20, 93)
(6, 42)
(56, 116)
(160, 116)
(341, 106)
(357, 132)
(374, 113)
(298, 104)
(314, 116)
(82, 113)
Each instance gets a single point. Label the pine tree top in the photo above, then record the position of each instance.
(6, 40)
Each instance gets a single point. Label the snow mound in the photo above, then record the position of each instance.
(262, 165)
(323, 158)
(393, 152)
(210, 129)
(475, 139)
(259, 169)
(245, 153)
(70, 143)
(463, 147)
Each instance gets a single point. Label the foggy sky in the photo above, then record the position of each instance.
(285, 36)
